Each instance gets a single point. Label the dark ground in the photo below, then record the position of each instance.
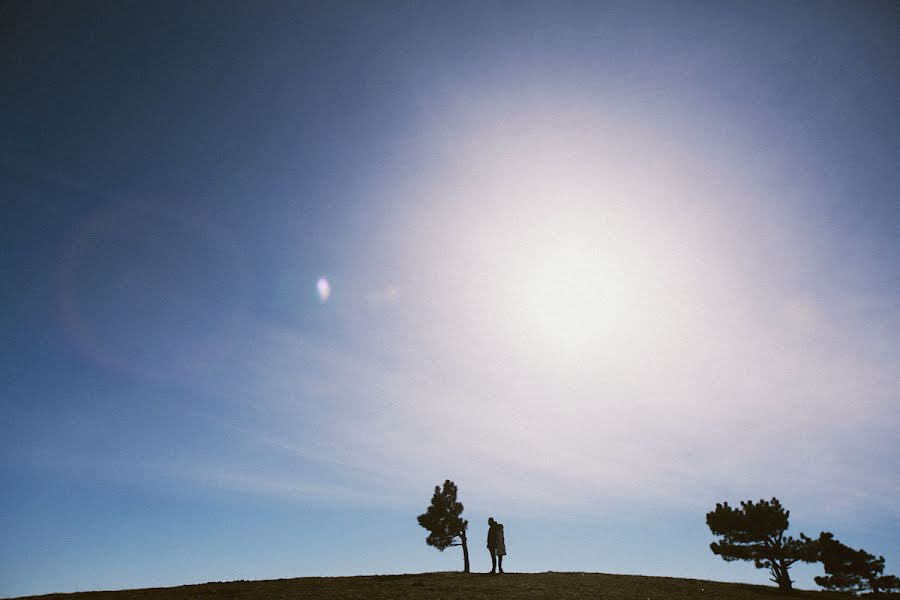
(451, 586)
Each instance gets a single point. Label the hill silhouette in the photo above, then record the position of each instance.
(453, 586)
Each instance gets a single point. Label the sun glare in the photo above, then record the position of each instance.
(576, 298)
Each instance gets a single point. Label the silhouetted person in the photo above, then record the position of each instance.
(496, 544)
(501, 546)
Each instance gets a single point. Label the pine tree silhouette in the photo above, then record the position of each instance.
(850, 570)
(756, 532)
(446, 528)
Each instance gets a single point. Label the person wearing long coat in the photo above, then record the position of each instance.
(492, 543)
(501, 546)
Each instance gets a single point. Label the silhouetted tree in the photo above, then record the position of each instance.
(850, 570)
(442, 520)
(756, 532)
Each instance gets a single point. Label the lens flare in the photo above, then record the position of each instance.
(324, 289)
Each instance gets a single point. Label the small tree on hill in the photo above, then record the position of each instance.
(850, 570)
(442, 520)
(756, 532)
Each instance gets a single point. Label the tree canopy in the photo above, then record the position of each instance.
(756, 532)
(443, 520)
(850, 570)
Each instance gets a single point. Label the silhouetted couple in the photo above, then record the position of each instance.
(496, 544)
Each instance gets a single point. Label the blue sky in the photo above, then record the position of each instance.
(602, 264)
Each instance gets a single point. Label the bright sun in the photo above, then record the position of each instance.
(579, 297)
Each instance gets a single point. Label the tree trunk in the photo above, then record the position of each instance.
(781, 576)
(465, 547)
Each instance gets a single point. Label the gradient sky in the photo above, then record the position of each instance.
(602, 264)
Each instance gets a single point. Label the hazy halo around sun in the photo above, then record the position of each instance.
(575, 237)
